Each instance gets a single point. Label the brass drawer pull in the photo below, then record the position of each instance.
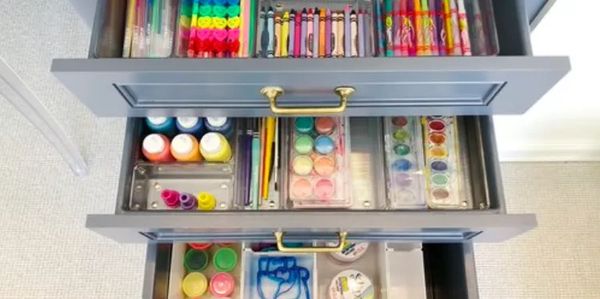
(274, 92)
(338, 248)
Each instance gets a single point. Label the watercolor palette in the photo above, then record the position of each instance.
(443, 174)
(404, 162)
(318, 175)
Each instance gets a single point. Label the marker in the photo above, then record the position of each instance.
(157, 148)
(303, 34)
(284, 36)
(389, 23)
(297, 34)
(361, 34)
(353, 34)
(291, 33)
(309, 33)
(433, 29)
(347, 32)
(263, 41)
(271, 35)
(328, 34)
(277, 39)
(463, 25)
(441, 28)
(322, 31)
(397, 25)
(316, 33)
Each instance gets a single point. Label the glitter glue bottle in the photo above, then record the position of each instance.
(156, 148)
(162, 125)
(206, 201)
(187, 201)
(221, 125)
(214, 147)
(190, 125)
(184, 148)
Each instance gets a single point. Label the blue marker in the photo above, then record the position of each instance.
(162, 125)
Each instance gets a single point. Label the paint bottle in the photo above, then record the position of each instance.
(184, 148)
(187, 201)
(157, 148)
(170, 198)
(221, 125)
(214, 147)
(191, 125)
(162, 125)
(206, 201)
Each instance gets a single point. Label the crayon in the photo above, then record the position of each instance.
(328, 33)
(309, 33)
(297, 34)
(284, 36)
(334, 34)
(291, 33)
(303, 34)
(262, 34)
(277, 34)
(347, 32)
(322, 32)
(271, 35)
(353, 34)
(361, 34)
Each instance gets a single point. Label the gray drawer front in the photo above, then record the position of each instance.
(537, 9)
(384, 86)
(449, 271)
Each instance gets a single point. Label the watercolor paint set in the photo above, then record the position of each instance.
(236, 271)
(318, 162)
(404, 162)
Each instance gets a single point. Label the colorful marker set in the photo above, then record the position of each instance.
(434, 28)
(216, 279)
(318, 175)
(149, 28)
(209, 28)
(404, 161)
(314, 32)
(193, 139)
(443, 174)
(259, 161)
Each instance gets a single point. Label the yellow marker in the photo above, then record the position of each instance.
(270, 136)
(285, 31)
(206, 201)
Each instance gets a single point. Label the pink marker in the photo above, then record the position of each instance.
(170, 198)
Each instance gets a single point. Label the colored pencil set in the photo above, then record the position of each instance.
(430, 28)
(259, 160)
(313, 33)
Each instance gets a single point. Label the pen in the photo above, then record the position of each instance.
(361, 34)
(316, 33)
(263, 40)
(322, 31)
(277, 38)
(303, 34)
(340, 35)
(463, 25)
(328, 35)
(441, 27)
(397, 25)
(347, 32)
(291, 32)
(426, 28)
(353, 34)
(270, 33)
(379, 36)
(389, 23)
(309, 33)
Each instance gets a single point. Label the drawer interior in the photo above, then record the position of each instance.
(395, 270)
(365, 173)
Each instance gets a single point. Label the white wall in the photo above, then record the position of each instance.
(565, 124)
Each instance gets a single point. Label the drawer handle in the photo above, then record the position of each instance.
(272, 93)
(338, 248)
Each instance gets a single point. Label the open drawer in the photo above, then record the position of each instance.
(140, 218)
(392, 270)
(505, 84)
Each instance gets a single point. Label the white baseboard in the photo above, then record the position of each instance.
(550, 152)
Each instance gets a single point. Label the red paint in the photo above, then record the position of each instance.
(400, 121)
(437, 125)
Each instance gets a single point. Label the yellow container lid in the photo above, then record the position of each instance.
(194, 284)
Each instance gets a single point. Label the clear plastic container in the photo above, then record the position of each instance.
(404, 162)
(318, 163)
(149, 28)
